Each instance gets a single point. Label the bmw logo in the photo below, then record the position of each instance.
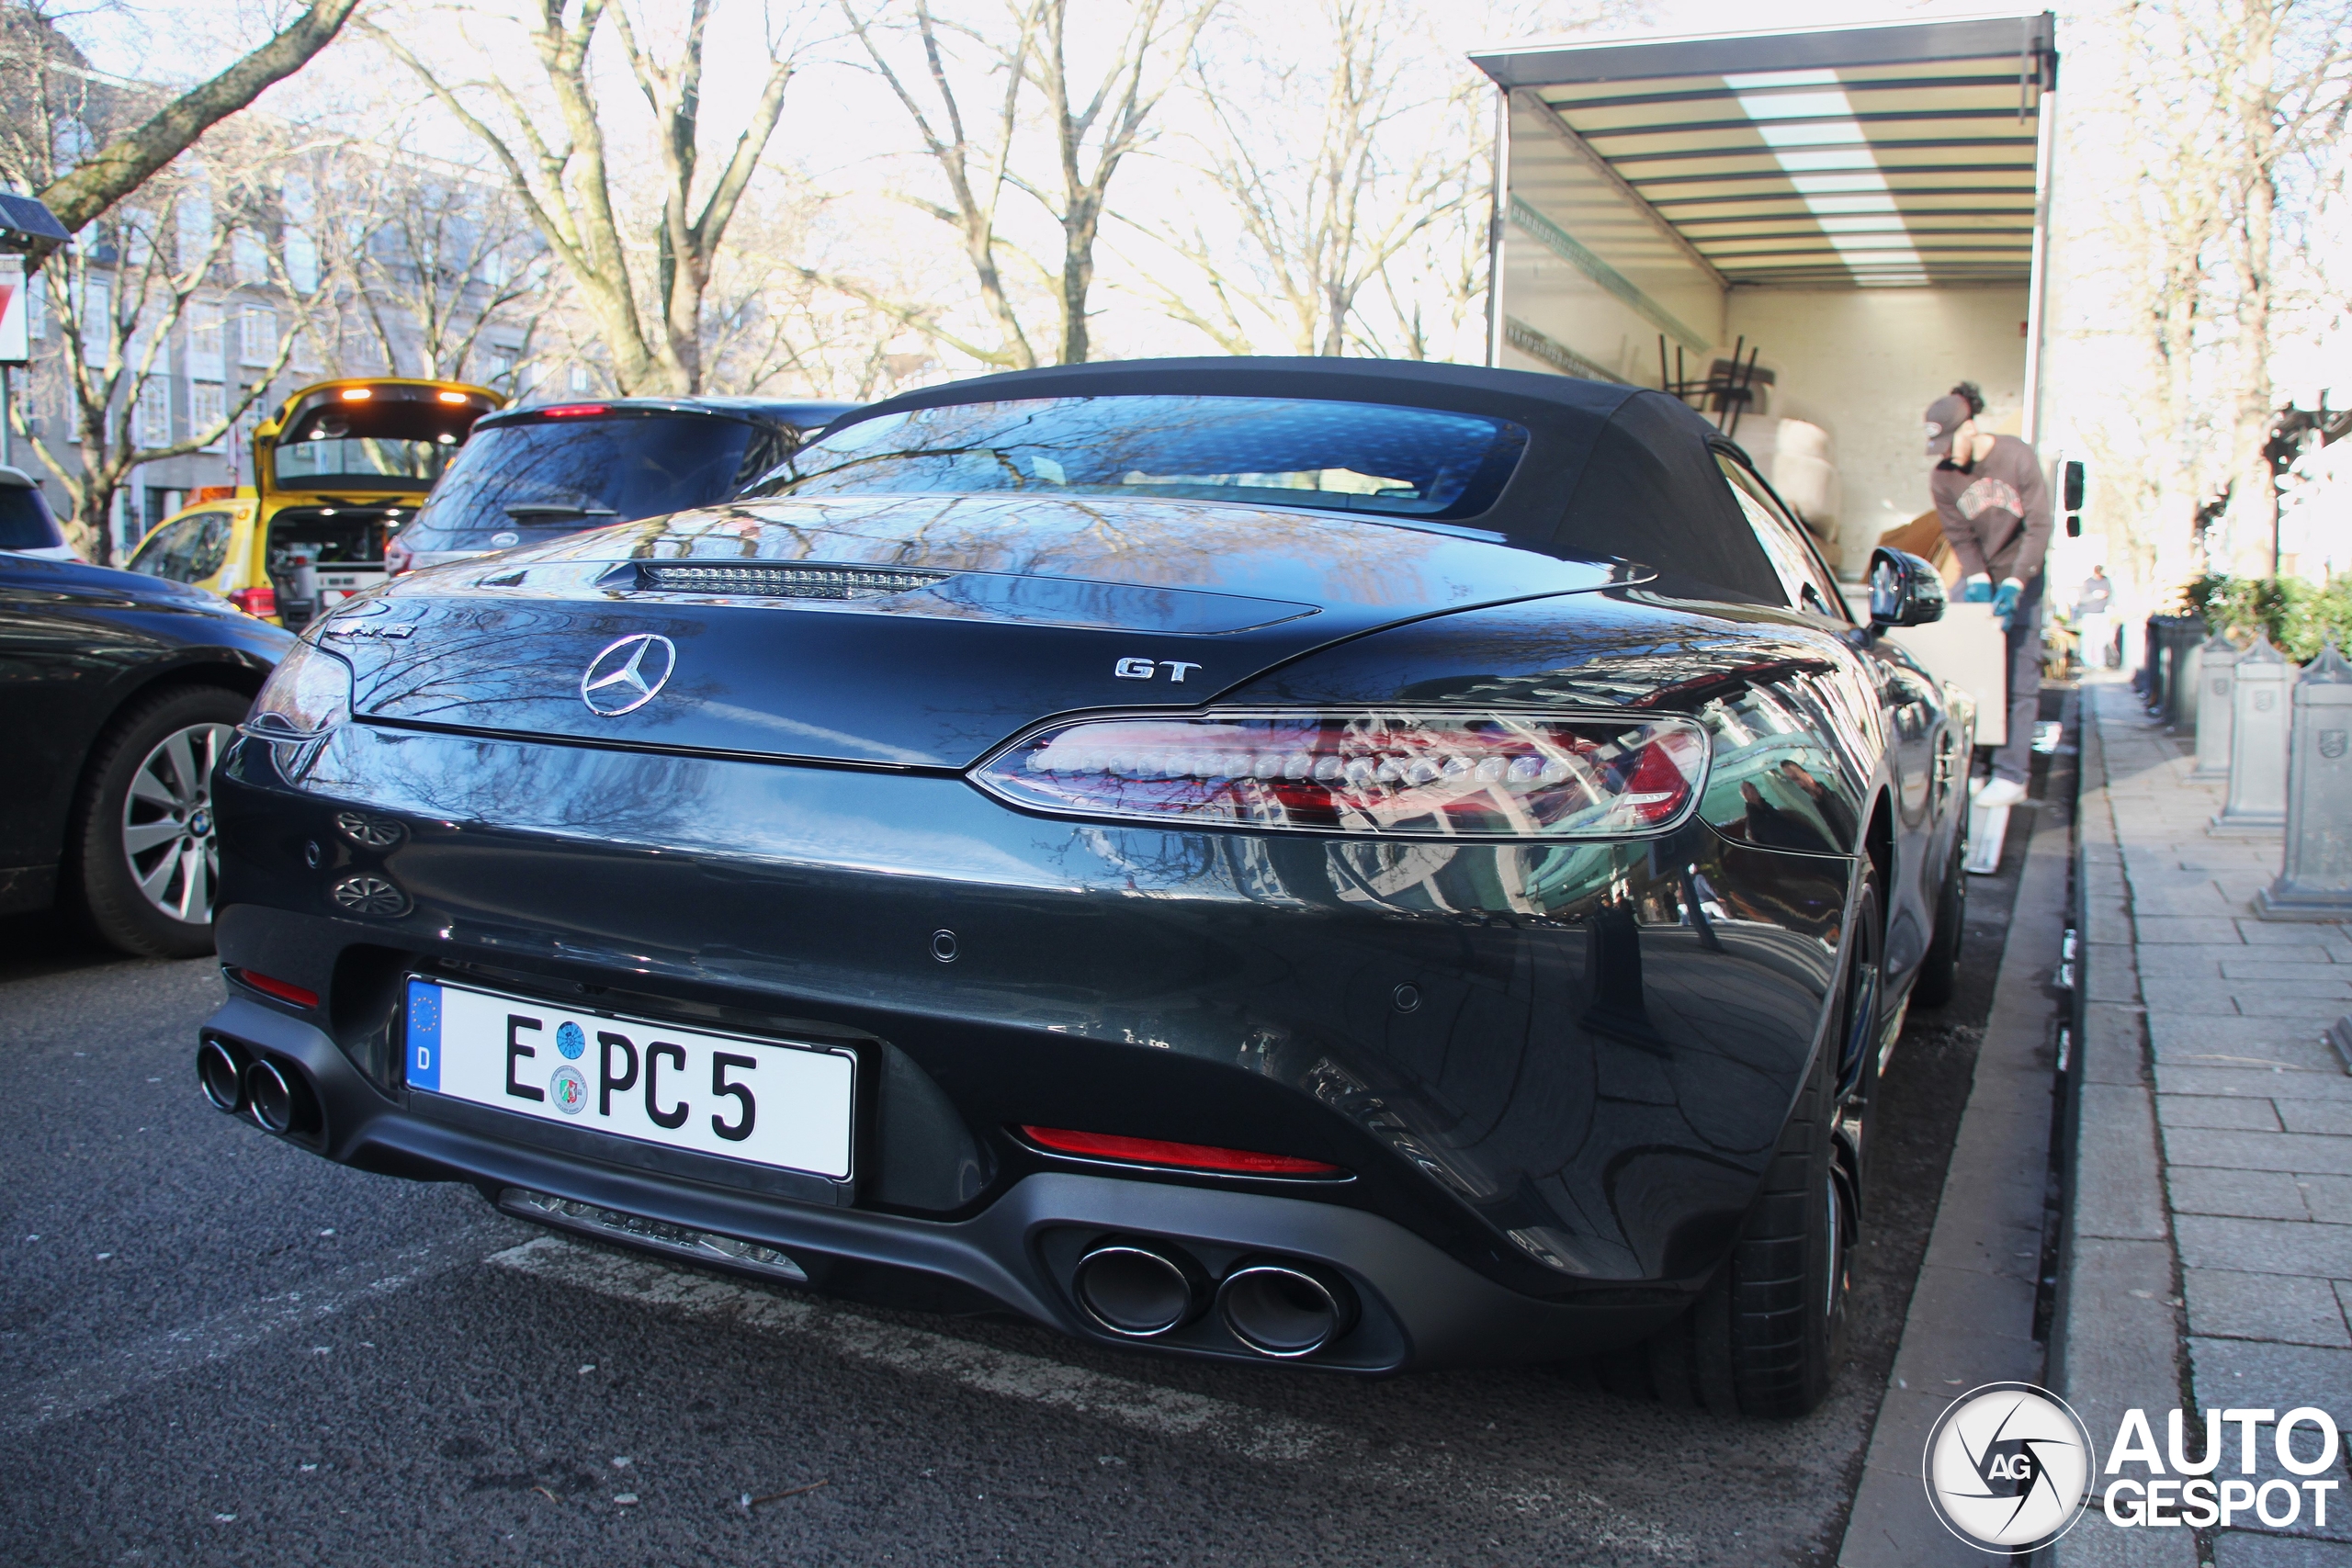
(571, 1042)
(569, 1091)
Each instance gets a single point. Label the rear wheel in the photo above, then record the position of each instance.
(1766, 1336)
(143, 835)
(1939, 971)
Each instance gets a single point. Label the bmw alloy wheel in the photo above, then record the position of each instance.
(167, 826)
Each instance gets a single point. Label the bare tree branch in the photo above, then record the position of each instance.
(123, 164)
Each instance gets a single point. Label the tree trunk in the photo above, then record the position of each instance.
(100, 483)
(2254, 503)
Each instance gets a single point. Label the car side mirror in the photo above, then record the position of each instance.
(1904, 591)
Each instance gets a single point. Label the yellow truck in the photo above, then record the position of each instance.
(339, 470)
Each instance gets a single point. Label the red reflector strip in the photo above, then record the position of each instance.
(284, 990)
(1189, 1157)
(572, 410)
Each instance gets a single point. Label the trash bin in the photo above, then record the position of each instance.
(2170, 640)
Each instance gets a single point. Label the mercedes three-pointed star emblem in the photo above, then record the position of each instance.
(627, 675)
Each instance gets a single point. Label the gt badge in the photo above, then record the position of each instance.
(627, 675)
(1144, 669)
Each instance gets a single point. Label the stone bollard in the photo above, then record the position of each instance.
(2315, 875)
(2215, 660)
(2258, 801)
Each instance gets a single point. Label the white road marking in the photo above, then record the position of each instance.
(1238, 1429)
(1166, 1412)
(78, 1390)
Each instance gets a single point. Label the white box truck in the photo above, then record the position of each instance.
(1809, 234)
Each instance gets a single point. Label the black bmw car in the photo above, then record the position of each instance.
(118, 693)
(1372, 865)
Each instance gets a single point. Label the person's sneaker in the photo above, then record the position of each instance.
(1995, 794)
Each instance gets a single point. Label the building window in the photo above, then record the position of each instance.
(95, 318)
(576, 380)
(147, 340)
(193, 218)
(208, 405)
(204, 340)
(301, 262)
(299, 198)
(155, 411)
(256, 336)
(501, 361)
(246, 257)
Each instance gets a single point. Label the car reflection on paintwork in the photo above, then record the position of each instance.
(1374, 865)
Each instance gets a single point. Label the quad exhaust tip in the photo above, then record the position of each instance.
(1286, 1309)
(275, 1097)
(222, 1076)
(270, 1096)
(1140, 1291)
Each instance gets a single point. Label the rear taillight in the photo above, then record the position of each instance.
(258, 601)
(1442, 775)
(398, 557)
(1181, 1157)
(284, 990)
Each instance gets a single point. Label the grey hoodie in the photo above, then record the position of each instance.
(1996, 514)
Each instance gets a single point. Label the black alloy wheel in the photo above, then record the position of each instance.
(1767, 1334)
(144, 844)
(1939, 978)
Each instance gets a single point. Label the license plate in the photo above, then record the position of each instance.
(770, 1101)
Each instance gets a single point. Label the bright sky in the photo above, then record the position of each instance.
(198, 37)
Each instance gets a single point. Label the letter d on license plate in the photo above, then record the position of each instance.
(770, 1101)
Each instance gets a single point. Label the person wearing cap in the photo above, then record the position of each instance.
(1994, 505)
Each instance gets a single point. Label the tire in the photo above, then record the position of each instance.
(146, 857)
(1767, 1334)
(1939, 971)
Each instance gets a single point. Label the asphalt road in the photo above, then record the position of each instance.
(215, 1348)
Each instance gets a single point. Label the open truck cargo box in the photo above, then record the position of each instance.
(1861, 209)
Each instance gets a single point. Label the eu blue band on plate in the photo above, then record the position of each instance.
(423, 1034)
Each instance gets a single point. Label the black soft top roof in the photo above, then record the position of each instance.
(1610, 472)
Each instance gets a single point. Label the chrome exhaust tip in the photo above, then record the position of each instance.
(1138, 1291)
(277, 1101)
(1285, 1310)
(222, 1075)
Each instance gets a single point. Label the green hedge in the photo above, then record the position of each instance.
(2296, 615)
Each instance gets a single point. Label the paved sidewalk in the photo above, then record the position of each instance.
(2209, 1245)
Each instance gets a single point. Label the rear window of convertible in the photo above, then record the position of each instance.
(1372, 457)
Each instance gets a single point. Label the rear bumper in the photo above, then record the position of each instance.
(1420, 1307)
(1556, 1072)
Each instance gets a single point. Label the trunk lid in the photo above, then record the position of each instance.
(911, 632)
